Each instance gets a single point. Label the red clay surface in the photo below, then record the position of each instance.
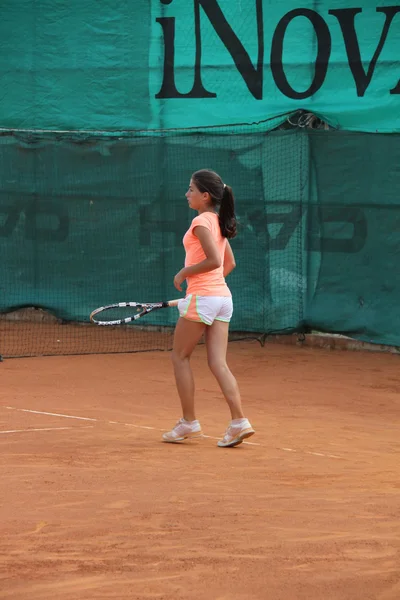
(101, 509)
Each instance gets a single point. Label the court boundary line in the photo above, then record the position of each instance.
(61, 415)
(4, 431)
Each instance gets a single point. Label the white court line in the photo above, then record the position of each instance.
(320, 454)
(41, 429)
(39, 412)
(308, 452)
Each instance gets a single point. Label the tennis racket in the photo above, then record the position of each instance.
(122, 313)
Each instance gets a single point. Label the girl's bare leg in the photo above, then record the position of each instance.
(217, 345)
(187, 335)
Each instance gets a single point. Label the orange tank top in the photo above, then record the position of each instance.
(213, 282)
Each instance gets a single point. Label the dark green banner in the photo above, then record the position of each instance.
(136, 64)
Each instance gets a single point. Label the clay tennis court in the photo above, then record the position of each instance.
(95, 506)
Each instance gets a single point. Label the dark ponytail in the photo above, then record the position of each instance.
(227, 217)
(221, 198)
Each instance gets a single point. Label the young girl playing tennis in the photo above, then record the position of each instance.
(207, 307)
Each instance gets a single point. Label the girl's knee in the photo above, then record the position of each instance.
(178, 357)
(217, 367)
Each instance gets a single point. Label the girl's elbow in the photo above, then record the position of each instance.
(216, 263)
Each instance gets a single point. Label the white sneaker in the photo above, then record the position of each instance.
(183, 430)
(236, 433)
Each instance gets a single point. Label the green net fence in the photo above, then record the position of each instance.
(90, 220)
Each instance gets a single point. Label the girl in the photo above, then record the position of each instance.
(207, 307)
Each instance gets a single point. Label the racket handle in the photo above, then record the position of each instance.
(172, 302)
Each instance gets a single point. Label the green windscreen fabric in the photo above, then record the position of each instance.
(353, 243)
(135, 64)
(86, 222)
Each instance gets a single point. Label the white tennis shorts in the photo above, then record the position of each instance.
(206, 309)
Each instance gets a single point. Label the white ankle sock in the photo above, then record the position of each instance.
(238, 421)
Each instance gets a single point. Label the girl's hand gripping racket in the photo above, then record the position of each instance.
(122, 313)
